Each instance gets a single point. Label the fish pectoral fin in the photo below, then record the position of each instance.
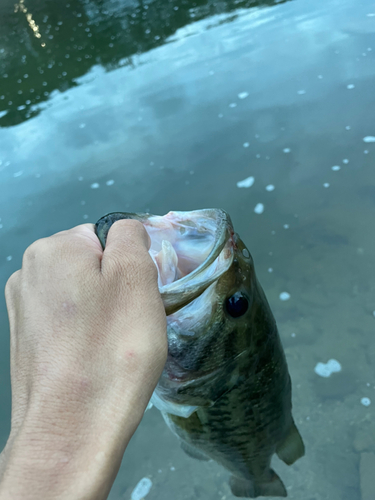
(193, 452)
(271, 487)
(292, 447)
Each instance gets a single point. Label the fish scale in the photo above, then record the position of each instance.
(225, 390)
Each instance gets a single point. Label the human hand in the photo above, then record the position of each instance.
(88, 344)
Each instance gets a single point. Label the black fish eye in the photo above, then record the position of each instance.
(237, 305)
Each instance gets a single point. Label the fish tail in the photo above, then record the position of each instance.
(271, 487)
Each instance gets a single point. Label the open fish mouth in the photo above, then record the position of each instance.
(191, 250)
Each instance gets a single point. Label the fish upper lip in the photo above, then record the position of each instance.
(223, 233)
(182, 291)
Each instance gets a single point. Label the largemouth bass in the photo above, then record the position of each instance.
(225, 390)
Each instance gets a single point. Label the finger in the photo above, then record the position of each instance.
(127, 234)
(126, 251)
(12, 290)
(79, 245)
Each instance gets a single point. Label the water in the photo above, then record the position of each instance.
(120, 105)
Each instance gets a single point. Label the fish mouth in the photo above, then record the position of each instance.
(191, 250)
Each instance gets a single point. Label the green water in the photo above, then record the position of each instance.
(158, 106)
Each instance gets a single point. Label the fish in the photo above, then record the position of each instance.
(225, 390)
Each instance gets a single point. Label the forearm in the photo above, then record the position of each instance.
(88, 345)
(87, 474)
(71, 460)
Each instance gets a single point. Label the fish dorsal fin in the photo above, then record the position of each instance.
(292, 447)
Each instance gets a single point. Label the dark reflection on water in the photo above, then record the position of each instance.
(281, 95)
(45, 48)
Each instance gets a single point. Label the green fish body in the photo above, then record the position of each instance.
(225, 390)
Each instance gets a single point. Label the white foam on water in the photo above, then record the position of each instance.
(366, 151)
(259, 208)
(286, 226)
(336, 167)
(350, 86)
(246, 183)
(142, 489)
(95, 185)
(243, 95)
(366, 401)
(326, 369)
(371, 14)
(320, 77)
(326, 185)
(346, 161)
(18, 174)
(301, 92)
(284, 296)
(110, 182)
(369, 138)
(82, 125)
(173, 468)
(246, 144)
(9, 258)
(232, 104)
(270, 187)
(286, 150)
(270, 270)
(348, 127)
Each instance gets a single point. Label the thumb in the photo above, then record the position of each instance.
(129, 233)
(127, 248)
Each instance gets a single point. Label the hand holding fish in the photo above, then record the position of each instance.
(88, 345)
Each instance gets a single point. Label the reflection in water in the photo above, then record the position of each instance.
(250, 116)
(58, 45)
(21, 8)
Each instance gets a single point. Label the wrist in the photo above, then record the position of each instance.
(66, 459)
(59, 469)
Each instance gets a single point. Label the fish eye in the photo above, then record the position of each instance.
(237, 305)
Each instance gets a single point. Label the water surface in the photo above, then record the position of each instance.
(157, 106)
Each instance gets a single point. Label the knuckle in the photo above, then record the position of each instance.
(12, 284)
(37, 248)
(132, 225)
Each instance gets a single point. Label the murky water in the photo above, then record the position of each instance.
(153, 106)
